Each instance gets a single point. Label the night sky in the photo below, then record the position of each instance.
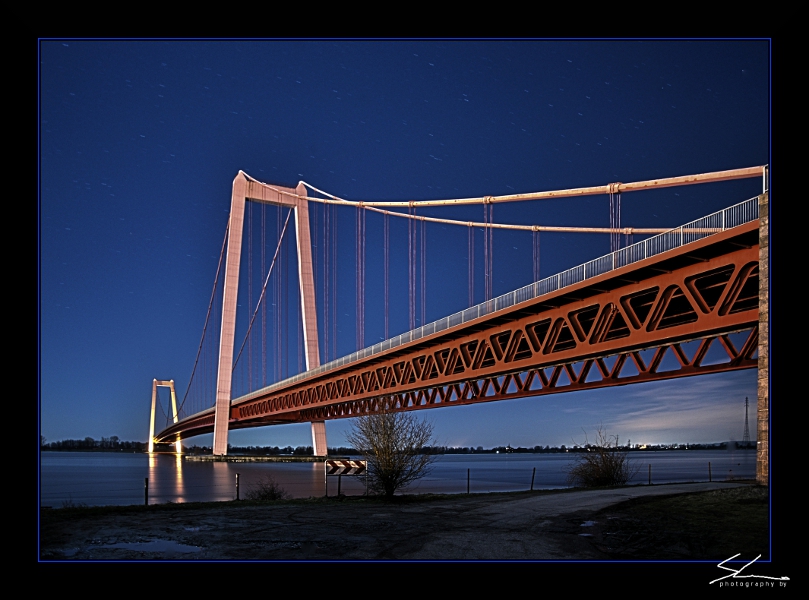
(140, 142)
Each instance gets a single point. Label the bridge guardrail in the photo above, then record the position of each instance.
(727, 218)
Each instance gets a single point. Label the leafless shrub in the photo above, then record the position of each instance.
(70, 504)
(603, 464)
(266, 489)
(393, 444)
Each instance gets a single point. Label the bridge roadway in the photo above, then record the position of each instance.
(557, 342)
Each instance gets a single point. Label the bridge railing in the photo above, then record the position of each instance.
(733, 216)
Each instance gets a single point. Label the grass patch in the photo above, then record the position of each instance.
(703, 526)
(266, 489)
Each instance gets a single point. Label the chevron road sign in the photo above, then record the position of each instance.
(346, 467)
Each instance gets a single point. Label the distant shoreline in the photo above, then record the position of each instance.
(751, 446)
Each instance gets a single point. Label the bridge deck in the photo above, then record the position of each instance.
(683, 278)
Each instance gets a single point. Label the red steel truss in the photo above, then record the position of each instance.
(584, 336)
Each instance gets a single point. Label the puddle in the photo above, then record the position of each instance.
(155, 546)
(588, 524)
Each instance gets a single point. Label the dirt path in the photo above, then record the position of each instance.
(526, 526)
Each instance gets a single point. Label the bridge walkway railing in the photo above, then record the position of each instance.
(727, 218)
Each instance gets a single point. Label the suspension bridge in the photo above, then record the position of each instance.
(610, 321)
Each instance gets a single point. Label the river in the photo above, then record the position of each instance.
(109, 478)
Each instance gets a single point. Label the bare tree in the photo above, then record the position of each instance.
(393, 443)
(602, 463)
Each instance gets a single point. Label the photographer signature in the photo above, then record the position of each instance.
(736, 573)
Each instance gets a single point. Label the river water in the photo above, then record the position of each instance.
(103, 478)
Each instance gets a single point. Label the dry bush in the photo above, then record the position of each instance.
(393, 444)
(266, 489)
(70, 504)
(604, 464)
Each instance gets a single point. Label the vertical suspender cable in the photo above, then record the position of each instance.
(264, 304)
(491, 252)
(249, 292)
(277, 336)
(326, 274)
(615, 220)
(386, 269)
(411, 275)
(360, 281)
(335, 229)
(357, 277)
(612, 222)
(285, 313)
(363, 277)
(535, 235)
(485, 253)
(471, 264)
(299, 329)
(423, 272)
(488, 247)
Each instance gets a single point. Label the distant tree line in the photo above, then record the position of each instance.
(280, 451)
(114, 444)
(106, 444)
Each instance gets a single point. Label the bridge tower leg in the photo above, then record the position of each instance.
(170, 384)
(306, 279)
(242, 190)
(151, 417)
(228, 330)
(763, 407)
(178, 446)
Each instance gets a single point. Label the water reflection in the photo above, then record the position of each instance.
(178, 474)
(111, 478)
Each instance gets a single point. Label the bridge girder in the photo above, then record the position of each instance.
(705, 291)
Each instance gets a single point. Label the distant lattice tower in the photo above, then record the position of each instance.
(746, 436)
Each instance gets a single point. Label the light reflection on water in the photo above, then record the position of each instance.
(118, 478)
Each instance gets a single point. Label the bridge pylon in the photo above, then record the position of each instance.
(169, 384)
(247, 189)
(763, 400)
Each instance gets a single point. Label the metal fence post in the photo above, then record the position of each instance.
(467, 481)
(146, 491)
(237, 486)
(532, 478)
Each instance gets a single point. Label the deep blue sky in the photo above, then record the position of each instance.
(140, 142)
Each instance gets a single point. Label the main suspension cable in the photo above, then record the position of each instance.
(208, 315)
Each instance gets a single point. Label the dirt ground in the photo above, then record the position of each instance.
(652, 522)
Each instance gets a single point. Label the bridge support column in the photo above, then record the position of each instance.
(319, 438)
(763, 407)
